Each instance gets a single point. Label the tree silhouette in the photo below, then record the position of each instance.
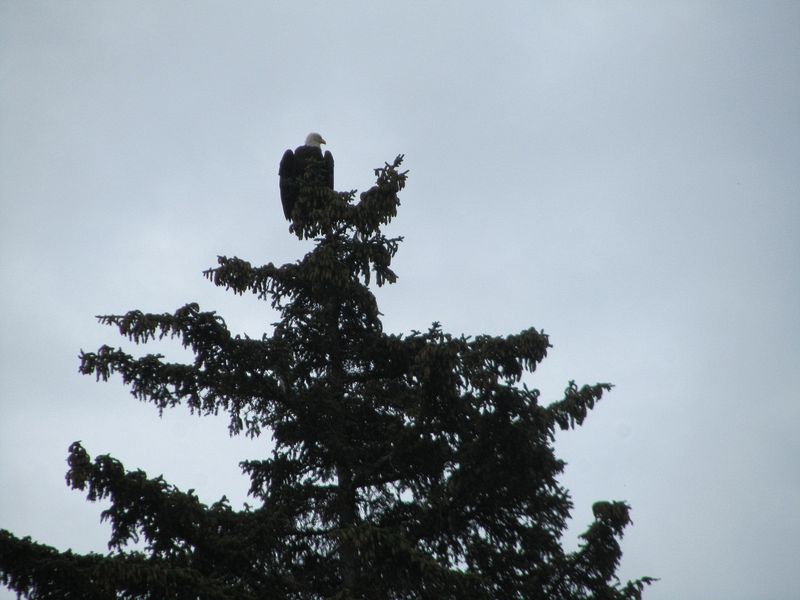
(403, 466)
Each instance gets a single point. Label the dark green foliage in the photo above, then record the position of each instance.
(404, 466)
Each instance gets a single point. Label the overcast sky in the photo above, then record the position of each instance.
(623, 175)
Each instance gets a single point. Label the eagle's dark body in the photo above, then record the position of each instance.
(293, 167)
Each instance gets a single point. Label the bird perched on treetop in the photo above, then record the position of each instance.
(293, 167)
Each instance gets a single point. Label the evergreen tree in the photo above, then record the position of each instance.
(404, 466)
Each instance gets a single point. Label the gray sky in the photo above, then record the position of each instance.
(623, 175)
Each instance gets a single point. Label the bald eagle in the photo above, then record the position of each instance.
(293, 167)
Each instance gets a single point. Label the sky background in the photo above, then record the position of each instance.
(622, 175)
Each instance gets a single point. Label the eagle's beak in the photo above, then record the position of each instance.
(321, 141)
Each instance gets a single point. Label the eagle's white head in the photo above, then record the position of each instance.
(314, 139)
